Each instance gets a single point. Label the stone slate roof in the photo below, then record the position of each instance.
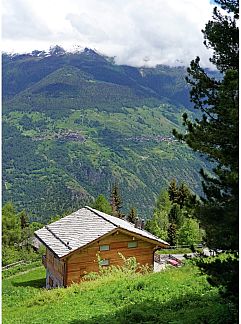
(82, 227)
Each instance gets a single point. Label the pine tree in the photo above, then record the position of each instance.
(25, 229)
(173, 191)
(216, 136)
(176, 215)
(172, 234)
(181, 195)
(24, 221)
(116, 202)
(216, 133)
(132, 216)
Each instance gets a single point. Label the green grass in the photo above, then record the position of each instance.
(21, 268)
(173, 296)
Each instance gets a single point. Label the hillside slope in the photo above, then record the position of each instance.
(76, 123)
(179, 295)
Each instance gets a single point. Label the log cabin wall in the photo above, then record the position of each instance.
(85, 261)
(54, 271)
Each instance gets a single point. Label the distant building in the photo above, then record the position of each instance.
(73, 242)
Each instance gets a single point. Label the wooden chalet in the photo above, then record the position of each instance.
(73, 242)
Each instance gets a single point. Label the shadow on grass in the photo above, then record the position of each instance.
(36, 283)
(184, 310)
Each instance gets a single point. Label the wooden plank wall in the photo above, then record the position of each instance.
(85, 261)
(54, 265)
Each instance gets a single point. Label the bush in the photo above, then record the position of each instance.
(189, 233)
(130, 267)
(12, 254)
(223, 272)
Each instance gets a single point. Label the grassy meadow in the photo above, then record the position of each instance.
(176, 295)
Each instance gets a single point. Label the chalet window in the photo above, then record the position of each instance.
(104, 247)
(104, 262)
(132, 244)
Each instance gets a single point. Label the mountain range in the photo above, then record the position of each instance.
(76, 123)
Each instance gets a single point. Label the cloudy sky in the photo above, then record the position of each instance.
(136, 32)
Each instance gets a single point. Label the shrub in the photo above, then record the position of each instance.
(130, 267)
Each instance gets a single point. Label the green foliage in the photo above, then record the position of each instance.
(222, 273)
(173, 295)
(216, 136)
(34, 226)
(54, 219)
(172, 216)
(12, 254)
(172, 234)
(129, 267)
(24, 219)
(132, 217)
(176, 215)
(222, 35)
(23, 267)
(116, 201)
(182, 196)
(216, 133)
(189, 233)
(11, 226)
(163, 202)
(69, 172)
(102, 204)
(173, 191)
(75, 123)
(54, 194)
(158, 224)
(16, 236)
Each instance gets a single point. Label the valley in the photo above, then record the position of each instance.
(73, 124)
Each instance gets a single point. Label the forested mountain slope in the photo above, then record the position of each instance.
(74, 123)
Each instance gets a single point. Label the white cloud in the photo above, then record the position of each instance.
(87, 27)
(137, 32)
(19, 23)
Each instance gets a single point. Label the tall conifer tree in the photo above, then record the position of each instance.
(132, 216)
(116, 201)
(216, 136)
(216, 133)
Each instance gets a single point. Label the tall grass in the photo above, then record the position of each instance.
(176, 295)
